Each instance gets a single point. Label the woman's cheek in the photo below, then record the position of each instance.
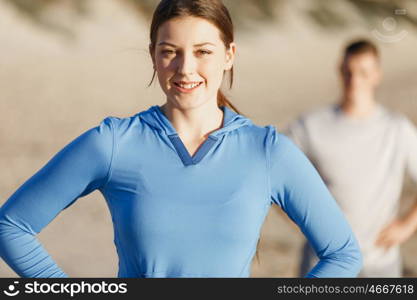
(163, 64)
(213, 73)
(216, 77)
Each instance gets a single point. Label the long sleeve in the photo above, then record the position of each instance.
(299, 190)
(76, 170)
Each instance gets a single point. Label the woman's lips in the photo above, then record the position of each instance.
(187, 87)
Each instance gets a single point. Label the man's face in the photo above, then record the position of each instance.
(361, 72)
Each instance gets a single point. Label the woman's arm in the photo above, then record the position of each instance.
(299, 190)
(75, 171)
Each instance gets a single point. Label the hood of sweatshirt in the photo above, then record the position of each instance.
(156, 119)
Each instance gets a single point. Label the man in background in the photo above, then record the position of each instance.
(361, 149)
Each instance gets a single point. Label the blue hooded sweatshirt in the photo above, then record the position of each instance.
(176, 215)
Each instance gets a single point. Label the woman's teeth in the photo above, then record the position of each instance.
(188, 85)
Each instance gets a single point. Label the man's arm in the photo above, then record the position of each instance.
(400, 230)
(403, 228)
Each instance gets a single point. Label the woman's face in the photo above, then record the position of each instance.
(190, 59)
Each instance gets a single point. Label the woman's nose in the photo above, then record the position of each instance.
(187, 64)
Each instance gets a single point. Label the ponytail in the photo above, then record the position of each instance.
(223, 101)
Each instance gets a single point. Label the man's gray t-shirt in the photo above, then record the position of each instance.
(362, 161)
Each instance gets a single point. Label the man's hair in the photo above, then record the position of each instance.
(361, 46)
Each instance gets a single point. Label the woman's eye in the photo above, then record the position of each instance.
(167, 52)
(204, 52)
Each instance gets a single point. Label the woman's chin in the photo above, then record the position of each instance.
(185, 103)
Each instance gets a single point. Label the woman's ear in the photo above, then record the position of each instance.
(152, 53)
(230, 56)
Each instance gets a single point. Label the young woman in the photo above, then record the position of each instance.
(188, 183)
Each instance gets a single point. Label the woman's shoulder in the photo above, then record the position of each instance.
(277, 142)
(120, 124)
(272, 138)
(270, 132)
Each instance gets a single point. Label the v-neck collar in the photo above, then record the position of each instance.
(204, 148)
(228, 117)
(155, 118)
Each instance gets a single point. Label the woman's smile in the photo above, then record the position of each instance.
(187, 87)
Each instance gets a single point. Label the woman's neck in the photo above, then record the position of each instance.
(195, 123)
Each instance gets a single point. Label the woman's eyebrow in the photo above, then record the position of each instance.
(166, 43)
(206, 43)
(196, 45)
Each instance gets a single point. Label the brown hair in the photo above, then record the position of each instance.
(361, 46)
(213, 11)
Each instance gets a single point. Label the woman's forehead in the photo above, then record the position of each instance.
(188, 31)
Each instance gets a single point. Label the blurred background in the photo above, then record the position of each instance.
(67, 64)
